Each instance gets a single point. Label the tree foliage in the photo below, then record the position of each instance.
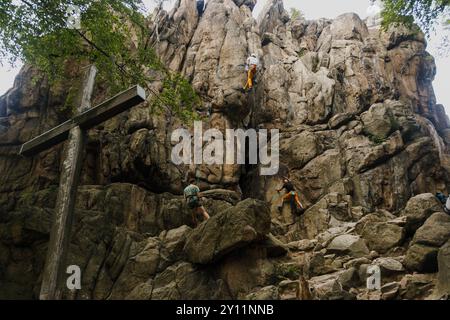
(296, 14)
(425, 13)
(114, 35)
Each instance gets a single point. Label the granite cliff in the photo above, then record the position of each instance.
(362, 138)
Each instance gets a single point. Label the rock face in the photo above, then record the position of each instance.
(443, 286)
(418, 209)
(422, 253)
(234, 228)
(362, 139)
(352, 245)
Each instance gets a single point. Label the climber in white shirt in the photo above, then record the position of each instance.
(251, 68)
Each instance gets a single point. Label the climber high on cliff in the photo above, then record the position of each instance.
(251, 68)
(291, 195)
(192, 197)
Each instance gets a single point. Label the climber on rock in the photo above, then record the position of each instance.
(291, 195)
(251, 68)
(192, 198)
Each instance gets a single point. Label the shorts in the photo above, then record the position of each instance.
(194, 203)
(289, 195)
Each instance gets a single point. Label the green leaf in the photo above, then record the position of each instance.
(114, 36)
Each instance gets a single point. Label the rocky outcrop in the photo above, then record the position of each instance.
(420, 208)
(443, 285)
(352, 245)
(234, 228)
(381, 231)
(422, 253)
(361, 137)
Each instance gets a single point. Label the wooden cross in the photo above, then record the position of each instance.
(74, 131)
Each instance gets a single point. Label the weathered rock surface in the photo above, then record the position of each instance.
(235, 227)
(362, 139)
(389, 265)
(380, 231)
(353, 245)
(266, 293)
(419, 208)
(422, 253)
(443, 281)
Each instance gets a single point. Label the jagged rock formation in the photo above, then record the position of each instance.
(362, 138)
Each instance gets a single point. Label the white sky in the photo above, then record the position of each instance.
(313, 9)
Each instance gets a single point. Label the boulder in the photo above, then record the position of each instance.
(443, 280)
(367, 294)
(302, 245)
(357, 262)
(318, 264)
(435, 231)
(380, 233)
(347, 26)
(378, 121)
(183, 281)
(416, 286)
(389, 266)
(172, 243)
(390, 291)
(234, 228)
(349, 244)
(349, 278)
(423, 250)
(329, 287)
(339, 120)
(418, 209)
(266, 293)
(289, 290)
(421, 257)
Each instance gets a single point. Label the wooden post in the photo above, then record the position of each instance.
(55, 264)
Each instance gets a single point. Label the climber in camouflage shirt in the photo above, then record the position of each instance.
(192, 197)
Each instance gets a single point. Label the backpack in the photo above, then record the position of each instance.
(193, 202)
(441, 197)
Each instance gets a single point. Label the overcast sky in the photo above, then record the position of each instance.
(313, 9)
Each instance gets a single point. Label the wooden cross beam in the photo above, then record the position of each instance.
(74, 131)
(85, 120)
